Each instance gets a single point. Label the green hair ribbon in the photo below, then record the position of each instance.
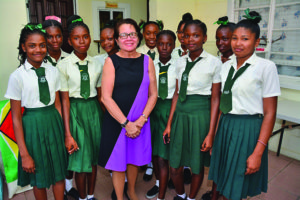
(77, 20)
(219, 22)
(247, 16)
(34, 27)
(142, 25)
(159, 22)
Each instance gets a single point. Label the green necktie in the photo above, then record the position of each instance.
(226, 97)
(85, 80)
(43, 85)
(51, 61)
(163, 81)
(185, 78)
(152, 55)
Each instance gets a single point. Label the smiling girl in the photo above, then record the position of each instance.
(150, 30)
(81, 80)
(39, 132)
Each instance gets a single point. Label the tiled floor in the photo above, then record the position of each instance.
(284, 183)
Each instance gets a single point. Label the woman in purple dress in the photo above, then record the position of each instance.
(129, 94)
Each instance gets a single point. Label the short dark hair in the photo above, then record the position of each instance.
(131, 22)
(251, 24)
(144, 24)
(198, 23)
(166, 32)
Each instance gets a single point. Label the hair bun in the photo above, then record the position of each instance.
(71, 19)
(224, 19)
(187, 17)
(256, 15)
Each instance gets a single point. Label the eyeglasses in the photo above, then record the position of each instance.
(125, 35)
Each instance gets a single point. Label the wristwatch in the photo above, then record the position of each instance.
(125, 123)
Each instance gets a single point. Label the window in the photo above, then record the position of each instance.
(280, 26)
(102, 14)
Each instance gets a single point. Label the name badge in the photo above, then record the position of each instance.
(226, 92)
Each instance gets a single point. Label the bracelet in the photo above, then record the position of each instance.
(146, 119)
(262, 142)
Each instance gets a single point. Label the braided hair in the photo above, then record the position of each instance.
(25, 32)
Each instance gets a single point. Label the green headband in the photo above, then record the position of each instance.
(34, 27)
(219, 22)
(142, 25)
(77, 20)
(159, 22)
(247, 16)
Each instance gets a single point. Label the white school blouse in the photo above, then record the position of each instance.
(70, 75)
(23, 85)
(171, 76)
(101, 58)
(202, 75)
(62, 56)
(144, 50)
(259, 81)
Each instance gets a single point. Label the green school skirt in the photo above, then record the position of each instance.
(44, 139)
(158, 121)
(85, 127)
(190, 126)
(235, 141)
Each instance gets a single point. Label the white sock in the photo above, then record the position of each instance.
(182, 195)
(149, 170)
(190, 198)
(83, 199)
(90, 196)
(157, 183)
(160, 199)
(69, 184)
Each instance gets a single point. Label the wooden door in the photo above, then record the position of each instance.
(38, 9)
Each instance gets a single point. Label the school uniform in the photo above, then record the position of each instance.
(85, 111)
(52, 60)
(191, 118)
(166, 77)
(144, 49)
(177, 52)
(239, 127)
(101, 58)
(42, 125)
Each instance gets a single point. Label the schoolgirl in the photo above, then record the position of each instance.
(150, 30)
(166, 81)
(53, 27)
(182, 49)
(223, 42)
(250, 86)
(195, 108)
(39, 132)
(223, 38)
(54, 32)
(107, 42)
(81, 80)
